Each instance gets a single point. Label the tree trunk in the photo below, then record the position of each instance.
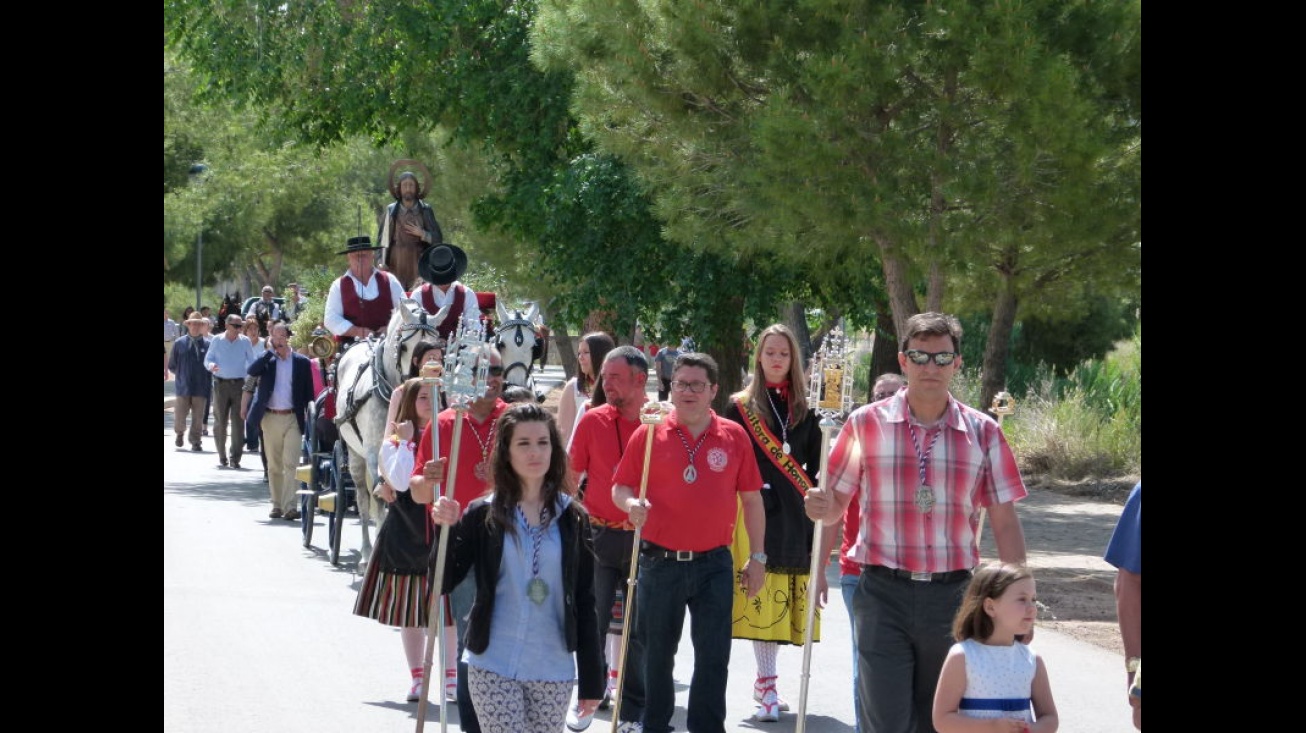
(997, 348)
(884, 349)
(565, 354)
(902, 299)
(794, 315)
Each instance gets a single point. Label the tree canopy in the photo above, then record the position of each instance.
(692, 166)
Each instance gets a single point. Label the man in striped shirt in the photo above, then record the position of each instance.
(923, 466)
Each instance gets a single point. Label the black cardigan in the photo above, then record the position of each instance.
(476, 544)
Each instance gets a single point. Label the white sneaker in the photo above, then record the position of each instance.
(415, 692)
(769, 712)
(609, 695)
(578, 719)
(628, 726)
(759, 689)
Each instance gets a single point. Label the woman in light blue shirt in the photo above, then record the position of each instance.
(533, 630)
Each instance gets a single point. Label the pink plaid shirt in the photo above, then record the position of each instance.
(970, 467)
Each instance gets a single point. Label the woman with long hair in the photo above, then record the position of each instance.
(584, 390)
(533, 631)
(773, 409)
(395, 589)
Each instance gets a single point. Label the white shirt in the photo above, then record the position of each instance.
(471, 316)
(334, 317)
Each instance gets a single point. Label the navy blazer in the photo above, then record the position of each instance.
(301, 386)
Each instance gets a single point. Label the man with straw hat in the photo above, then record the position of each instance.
(194, 383)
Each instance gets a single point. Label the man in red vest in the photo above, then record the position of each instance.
(361, 300)
(441, 266)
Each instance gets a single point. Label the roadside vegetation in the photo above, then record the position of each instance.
(1069, 425)
(1087, 424)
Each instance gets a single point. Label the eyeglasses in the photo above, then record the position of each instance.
(921, 358)
(695, 387)
(877, 396)
(495, 371)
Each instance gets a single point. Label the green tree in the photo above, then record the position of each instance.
(935, 143)
(462, 69)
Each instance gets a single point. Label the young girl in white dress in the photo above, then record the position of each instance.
(992, 680)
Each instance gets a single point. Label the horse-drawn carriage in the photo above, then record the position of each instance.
(326, 481)
(342, 471)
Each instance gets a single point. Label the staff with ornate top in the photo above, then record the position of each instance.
(652, 413)
(465, 381)
(831, 386)
(1003, 404)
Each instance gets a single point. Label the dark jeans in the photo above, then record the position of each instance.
(904, 631)
(611, 571)
(664, 390)
(460, 601)
(706, 586)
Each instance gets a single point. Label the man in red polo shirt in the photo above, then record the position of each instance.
(471, 480)
(702, 469)
(360, 301)
(597, 446)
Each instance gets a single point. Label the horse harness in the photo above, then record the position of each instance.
(519, 340)
(381, 386)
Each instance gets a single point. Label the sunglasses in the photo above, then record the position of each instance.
(495, 371)
(882, 395)
(921, 358)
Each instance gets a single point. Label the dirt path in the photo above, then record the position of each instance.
(1067, 528)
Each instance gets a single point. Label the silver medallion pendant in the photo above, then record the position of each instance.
(482, 470)
(690, 474)
(925, 498)
(537, 590)
(786, 448)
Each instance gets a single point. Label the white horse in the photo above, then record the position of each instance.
(366, 375)
(519, 343)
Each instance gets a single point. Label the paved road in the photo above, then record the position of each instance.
(259, 634)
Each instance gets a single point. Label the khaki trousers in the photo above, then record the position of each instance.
(193, 407)
(282, 443)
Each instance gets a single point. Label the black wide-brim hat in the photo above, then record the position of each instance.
(358, 244)
(441, 264)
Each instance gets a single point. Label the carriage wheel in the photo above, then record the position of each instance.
(307, 510)
(337, 516)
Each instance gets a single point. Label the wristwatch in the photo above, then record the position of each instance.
(1131, 664)
(759, 557)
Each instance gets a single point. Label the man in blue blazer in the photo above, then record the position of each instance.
(281, 403)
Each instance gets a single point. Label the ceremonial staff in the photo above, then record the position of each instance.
(831, 390)
(1003, 404)
(465, 374)
(651, 414)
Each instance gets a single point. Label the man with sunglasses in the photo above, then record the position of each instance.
(923, 466)
(228, 358)
(473, 480)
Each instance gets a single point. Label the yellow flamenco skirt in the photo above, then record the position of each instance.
(779, 612)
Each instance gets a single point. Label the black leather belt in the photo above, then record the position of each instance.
(648, 549)
(233, 379)
(952, 576)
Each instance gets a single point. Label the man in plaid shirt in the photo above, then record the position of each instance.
(923, 466)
